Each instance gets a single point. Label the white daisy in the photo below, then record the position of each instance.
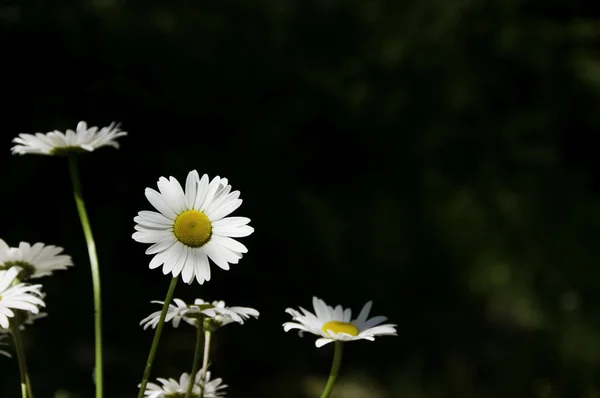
(2, 352)
(174, 388)
(216, 312)
(336, 324)
(192, 226)
(21, 296)
(84, 139)
(35, 261)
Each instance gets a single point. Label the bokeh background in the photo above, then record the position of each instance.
(438, 157)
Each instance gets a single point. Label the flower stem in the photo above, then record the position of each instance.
(91, 247)
(28, 383)
(205, 360)
(198, 350)
(335, 368)
(155, 341)
(25, 383)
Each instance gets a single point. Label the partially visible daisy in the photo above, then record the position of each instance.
(30, 317)
(216, 313)
(21, 296)
(192, 226)
(336, 324)
(25, 318)
(83, 139)
(35, 261)
(174, 388)
(2, 342)
(173, 314)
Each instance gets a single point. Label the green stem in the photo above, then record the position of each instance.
(197, 354)
(91, 247)
(335, 368)
(25, 383)
(28, 382)
(155, 341)
(205, 360)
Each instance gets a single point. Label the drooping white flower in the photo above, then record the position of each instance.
(35, 261)
(335, 323)
(216, 313)
(21, 296)
(83, 139)
(3, 337)
(31, 318)
(174, 388)
(192, 226)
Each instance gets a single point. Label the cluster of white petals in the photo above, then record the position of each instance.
(21, 296)
(176, 388)
(200, 309)
(83, 138)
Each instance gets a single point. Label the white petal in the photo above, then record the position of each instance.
(155, 217)
(191, 188)
(229, 243)
(183, 260)
(172, 193)
(364, 313)
(159, 259)
(215, 253)
(163, 245)
(159, 203)
(202, 267)
(234, 231)
(321, 342)
(201, 193)
(175, 254)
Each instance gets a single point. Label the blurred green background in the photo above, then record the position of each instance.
(437, 157)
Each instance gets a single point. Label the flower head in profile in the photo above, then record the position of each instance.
(3, 337)
(192, 226)
(35, 261)
(177, 388)
(335, 323)
(83, 139)
(21, 296)
(213, 315)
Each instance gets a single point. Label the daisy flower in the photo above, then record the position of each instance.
(216, 313)
(83, 139)
(336, 324)
(21, 296)
(174, 388)
(192, 226)
(2, 352)
(35, 261)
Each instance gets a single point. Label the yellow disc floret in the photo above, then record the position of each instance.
(192, 228)
(340, 327)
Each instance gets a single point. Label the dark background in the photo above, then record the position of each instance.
(437, 157)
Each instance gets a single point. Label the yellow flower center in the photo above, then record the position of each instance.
(192, 228)
(340, 327)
